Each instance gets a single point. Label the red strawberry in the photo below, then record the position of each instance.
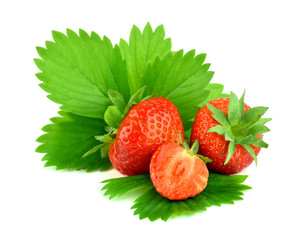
(230, 133)
(147, 125)
(177, 173)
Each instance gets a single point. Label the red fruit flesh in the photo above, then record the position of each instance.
(176, 173)
(147, 125)
(214, 146)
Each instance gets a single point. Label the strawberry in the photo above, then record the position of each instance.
(146, 126)
(230, 133)
(135, 130)
(177, 173)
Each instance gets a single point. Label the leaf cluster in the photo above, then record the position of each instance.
(67, 138)
(96, 81)
(221, 189)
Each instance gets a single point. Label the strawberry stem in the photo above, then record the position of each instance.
(134, 99)
(114, 115)
(205, 159)
(194, 147)
(183, 143)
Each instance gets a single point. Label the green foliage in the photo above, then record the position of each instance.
(216, 91)
(78, 70)
(142, 49)
(113, 117)
(221, 189)
(117, 100)
(116, 187)
(68, 138)
(91, 78)
(180, 78)
(134, 99)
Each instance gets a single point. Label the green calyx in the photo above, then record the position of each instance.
(106, 141)
(118, 110)
(240, 127)
(113, 116)
(194, 149)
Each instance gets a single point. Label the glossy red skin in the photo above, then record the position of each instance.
(214, 146)
(147, 125)
(176, 174)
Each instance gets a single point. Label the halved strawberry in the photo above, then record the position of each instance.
(177, 173)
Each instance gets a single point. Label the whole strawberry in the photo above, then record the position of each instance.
(230, 133)
(177, 172)
(146, 126)
(135, 130)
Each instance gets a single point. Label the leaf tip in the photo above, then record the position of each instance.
(148, 27)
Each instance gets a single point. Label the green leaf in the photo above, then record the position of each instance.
(216, 91)
(258, 142)
(241, 106)
(68, 138)
(78, 70)
(251, 152)
(104, 138)
(94, 149)
(137, 96)
(263, 121)
(231, 149)
(134, 99)
(104, 151)
(113, 117)
(194, 147)
(117, 99)
(180, 78)
(219, 115)
(142, 49)
(218, 129)
(257, 129)
(117, 187)
(221, 189)
(244, 140)
(205, 159)
(252, 115)
(236, 109)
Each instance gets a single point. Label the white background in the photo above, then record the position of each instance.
(252, 45)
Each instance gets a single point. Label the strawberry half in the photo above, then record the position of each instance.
(230, 133)
(177, 173)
